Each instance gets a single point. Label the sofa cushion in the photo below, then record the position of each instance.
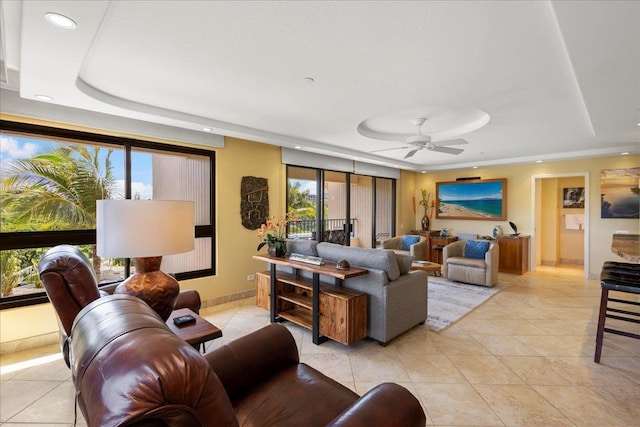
(476, 249)
(404, 262)
(466, 262)
(407, 241)
(380, 259)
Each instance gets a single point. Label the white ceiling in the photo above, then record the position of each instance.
(559, 79)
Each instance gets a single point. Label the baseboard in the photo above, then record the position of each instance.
(29, 343)
(228, 298)
(549, 263)
(571, 261)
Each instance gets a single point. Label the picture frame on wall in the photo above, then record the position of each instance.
(620, 193)
(573, 197)
(481, 199)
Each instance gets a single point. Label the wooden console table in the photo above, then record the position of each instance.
(301, 304)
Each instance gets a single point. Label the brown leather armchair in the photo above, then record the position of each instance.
(130, 369)
(71, 284)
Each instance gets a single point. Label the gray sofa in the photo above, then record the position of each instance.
(397, 296)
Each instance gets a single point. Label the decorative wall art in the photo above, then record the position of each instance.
(254, 201)
(573, 197)
(620, 193)
(483, 199)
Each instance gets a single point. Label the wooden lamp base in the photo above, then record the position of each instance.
(153, 286)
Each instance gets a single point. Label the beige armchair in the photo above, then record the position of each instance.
(418, 250)
(466, 264)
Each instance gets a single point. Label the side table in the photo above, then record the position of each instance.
(429, 267)
(196, 333)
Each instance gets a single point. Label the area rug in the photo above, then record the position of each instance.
(450, 301)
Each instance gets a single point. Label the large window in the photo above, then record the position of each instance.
(49, 182)
(340, 207)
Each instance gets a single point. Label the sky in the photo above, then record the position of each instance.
(306, 185)
(470, 191)
(14, 147)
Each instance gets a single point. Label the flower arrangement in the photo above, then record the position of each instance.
(274, 232)
(425, 200)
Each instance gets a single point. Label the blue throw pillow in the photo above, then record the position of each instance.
(407, 241)
(476, 249)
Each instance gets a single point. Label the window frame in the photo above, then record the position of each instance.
(35, 239)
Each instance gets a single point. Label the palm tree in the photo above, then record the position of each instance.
(58, 188)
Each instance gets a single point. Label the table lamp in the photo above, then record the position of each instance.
(146, 230)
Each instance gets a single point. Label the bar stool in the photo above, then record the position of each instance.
(620, 277)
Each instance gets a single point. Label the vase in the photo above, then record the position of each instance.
(272, 250)
(425, 223)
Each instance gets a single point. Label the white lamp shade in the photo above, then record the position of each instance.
(144, 228)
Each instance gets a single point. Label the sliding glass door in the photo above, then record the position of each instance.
(340, 207)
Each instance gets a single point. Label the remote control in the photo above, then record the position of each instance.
(184, 320)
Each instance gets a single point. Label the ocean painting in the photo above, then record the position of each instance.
(620, 193)
(481, 199)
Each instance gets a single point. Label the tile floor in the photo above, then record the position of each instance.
(524, 358)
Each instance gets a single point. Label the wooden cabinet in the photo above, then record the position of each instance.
(263, 290)
(436, 243)
(427, 235)
(514, 254)
(343, 312)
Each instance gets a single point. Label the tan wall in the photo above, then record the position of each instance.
(405, 192)
(548, 233)
(520, 205)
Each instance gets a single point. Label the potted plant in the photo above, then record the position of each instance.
(273, 234)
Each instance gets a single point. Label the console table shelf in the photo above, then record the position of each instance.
(298, 316)
(329, 311)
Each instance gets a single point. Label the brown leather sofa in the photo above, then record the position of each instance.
(129, 369)
(71, 284)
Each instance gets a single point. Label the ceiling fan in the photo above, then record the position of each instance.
(423, 142)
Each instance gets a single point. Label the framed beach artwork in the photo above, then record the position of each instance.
(620, 193)
(482, 199)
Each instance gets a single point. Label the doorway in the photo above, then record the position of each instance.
(559, 221)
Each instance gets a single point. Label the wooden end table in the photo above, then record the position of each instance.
(194, 333)
(429, 267)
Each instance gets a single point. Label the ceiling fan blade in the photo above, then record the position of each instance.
(447, 150)
(448, 142)
(411, 153)
(389, 149)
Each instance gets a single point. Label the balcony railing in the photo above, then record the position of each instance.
(306, 228)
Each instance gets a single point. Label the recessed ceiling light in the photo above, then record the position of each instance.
(298, 147)
(60, 20)
(474, 167)
(626, 153)
(207, 129)
(538, 161)
(44, 98)
(423, 172)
